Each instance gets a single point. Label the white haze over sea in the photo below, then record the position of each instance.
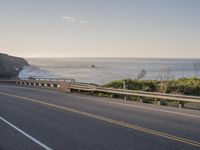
(106, 69)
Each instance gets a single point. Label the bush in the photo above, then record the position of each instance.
(187, 86)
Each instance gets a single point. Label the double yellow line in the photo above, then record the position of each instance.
(109, 120)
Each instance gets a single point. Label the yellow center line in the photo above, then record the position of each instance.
(109, 120)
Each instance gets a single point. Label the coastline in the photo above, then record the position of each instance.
(106, 70)
(10, 66)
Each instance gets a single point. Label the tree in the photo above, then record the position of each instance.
(141, 75)
(165, 76)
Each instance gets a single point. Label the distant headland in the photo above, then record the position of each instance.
(10, 66)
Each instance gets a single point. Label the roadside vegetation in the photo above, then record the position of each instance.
(187, 86)
(183, 86)
(166, 83)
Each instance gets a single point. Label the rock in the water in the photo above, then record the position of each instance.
(10, 66)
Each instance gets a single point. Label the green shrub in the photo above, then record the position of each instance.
(187, 86)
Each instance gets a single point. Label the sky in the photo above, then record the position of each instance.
(100, 28)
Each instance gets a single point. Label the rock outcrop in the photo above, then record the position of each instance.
(10, 66)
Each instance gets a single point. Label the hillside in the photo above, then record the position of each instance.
(10, 66)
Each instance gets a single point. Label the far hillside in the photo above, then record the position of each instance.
(10, 66)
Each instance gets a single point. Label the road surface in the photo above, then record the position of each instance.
(32, 118)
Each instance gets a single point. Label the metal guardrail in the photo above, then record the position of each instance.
(70, 84)
(175, 97)
(42, 82)
(51, 79)
(152, 94)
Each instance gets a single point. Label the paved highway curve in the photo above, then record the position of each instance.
(33, 118)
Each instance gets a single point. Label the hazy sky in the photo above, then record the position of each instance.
(100, 28)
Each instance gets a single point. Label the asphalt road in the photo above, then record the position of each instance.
(45, 119)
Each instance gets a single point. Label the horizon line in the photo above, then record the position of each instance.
(111, 57)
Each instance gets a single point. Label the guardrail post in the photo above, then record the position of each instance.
(124, 87)
(158, 102)
(181, 104)
(111, 96)
(92, 92)
(125, 98)
(141, 100)
(161, 102)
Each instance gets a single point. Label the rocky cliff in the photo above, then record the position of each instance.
(10, 66)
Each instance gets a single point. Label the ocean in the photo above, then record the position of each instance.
(104, 70)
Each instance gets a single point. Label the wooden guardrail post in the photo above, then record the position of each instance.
(141, 100)
(124, 87)
(111, 95)
(158, 101)
(181, 104)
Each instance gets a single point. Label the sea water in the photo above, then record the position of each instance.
(104, 70)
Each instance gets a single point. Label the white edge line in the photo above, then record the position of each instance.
(25, 134)
(131, 105)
